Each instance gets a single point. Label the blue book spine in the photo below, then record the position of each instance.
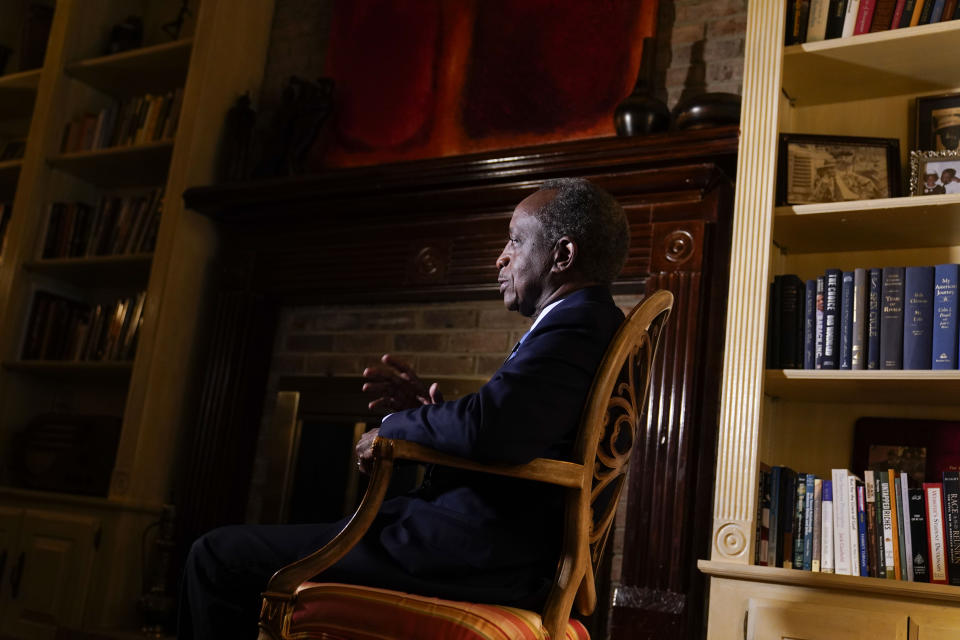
(818, 356)
(808, 523)
(831, 319)
(937, 12)
(810, 325)
(918, 318)
(858, 340)
(945, 278)
(846, 320)
(891, 319)
(862, 529)
(873, 319)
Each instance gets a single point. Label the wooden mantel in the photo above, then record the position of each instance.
(431, 230)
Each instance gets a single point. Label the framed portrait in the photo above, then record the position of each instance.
(924, 449)
(815, 168)
(938, 122)
(934, 172)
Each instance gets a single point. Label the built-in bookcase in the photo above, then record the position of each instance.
(864, 85)
(140, 258)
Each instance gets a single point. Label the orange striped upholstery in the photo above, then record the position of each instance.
(347, 612)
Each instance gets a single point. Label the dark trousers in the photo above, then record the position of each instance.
(228, 568)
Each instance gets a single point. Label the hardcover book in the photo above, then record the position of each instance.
(818, 362)
(862, 529)
(799, 520)
(763, 516)
(853, 524)
(850, 18)
(797, 22)
(870, 500)
(791, 322)
(891, 319)
(773, 324)
(807, 560)
(817, 524)
(846, 319)
(826, 530)
(903, 514)
(907, 16)
(951, 521)
(945, 316)
(810, 325)
(858, 346)
(918, 535)
(873, 319)
(788, 494)
(936, 536)
(817, 22)
(831, 319)
(918, 317)
(835, 18)
(895, 522)
(886, 516)
(898, 10)
(865, 16)
(841, 522)
(882, 15)
(776, 480)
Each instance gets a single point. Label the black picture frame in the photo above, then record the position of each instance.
(938, 439)
(824, 168)
(938, 122)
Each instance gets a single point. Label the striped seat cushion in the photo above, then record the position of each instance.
(348, 612)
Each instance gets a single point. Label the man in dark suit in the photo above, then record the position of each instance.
(462, 535)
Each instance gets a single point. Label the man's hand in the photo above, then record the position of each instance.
(397, 387)
(365, 450)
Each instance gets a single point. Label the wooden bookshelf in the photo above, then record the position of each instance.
(868, 387)
(888, 223)
(18, 92)
(136, 165)
(153, 69)
(29, 80)
(9, 174)
(886, 63)
(832, 582)
(96, 271)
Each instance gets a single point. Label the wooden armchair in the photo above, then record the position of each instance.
(295, 608)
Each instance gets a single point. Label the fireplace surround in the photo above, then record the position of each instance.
(429, 231)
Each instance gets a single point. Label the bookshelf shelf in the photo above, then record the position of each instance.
(151, 69)
(70, 368)
(29, 80)
(871, 65)
(875, 387)
(99, 271)
(868, 586)
(888, 223)
(139, 165)
(9, 173)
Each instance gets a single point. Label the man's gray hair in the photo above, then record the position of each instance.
(594, 219)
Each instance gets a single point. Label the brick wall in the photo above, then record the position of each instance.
(699, 42)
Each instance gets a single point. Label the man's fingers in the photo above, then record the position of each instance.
(435, 396)
(399, 365)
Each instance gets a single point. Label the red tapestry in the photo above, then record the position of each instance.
(427, 78)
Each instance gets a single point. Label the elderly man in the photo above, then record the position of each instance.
(461, 535)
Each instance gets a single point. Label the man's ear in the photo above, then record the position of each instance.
(565, 254)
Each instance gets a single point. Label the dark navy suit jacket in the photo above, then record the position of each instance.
(477, 524)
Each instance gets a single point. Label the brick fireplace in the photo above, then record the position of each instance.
(322, 274)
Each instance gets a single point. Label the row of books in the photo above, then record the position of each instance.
(6, 208)
(889, 318)
(878, 526)
(60, 328)
(128, 122)
(117, 225)
(814, 20)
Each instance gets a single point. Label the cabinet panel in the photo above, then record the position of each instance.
(9, 543)
(781, 620)
(940, 625)
(53, 565)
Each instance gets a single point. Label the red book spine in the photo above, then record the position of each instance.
(936, 533)
(864, 16)
(897, 14)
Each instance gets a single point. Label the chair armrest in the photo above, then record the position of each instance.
(565, 474)
(287, 580)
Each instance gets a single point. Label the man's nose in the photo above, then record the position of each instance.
(503, 261)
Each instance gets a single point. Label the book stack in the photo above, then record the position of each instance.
(6, 208)
(129, 122)
(118, 225)
(815, 20)
(60, 328)
(889, 318)
(881, 525)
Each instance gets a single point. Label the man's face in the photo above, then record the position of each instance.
(947, 176)
(931, 179)
(526, 261)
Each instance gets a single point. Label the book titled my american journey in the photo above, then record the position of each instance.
(945, 316)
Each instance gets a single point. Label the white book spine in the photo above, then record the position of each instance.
(853, 528)
(850, 19)
(817, 21)
(937, 550)
(841, 530)
(826, 536)
(907, 540)
(885, 504)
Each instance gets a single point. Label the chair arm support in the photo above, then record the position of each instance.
(565, 474)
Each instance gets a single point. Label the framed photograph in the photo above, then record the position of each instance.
(938, 122)
(814, 168)
(924, 449)
(934, 172)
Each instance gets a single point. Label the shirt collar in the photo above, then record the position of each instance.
(543, 314)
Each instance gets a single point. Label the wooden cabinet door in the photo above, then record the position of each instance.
(782, 620)
(939, 625)
(51, 572)
(10, 521)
